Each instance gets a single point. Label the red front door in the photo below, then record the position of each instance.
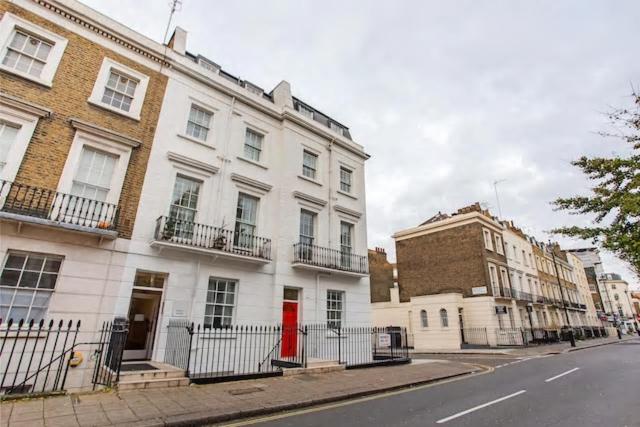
(289, 329)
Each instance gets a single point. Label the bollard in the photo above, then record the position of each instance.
(619, 333)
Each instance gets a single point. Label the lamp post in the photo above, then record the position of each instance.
(564, 306)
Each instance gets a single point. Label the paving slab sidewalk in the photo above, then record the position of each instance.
(201, 404)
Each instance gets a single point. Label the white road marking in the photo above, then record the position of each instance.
(475, 408)
(548, 380)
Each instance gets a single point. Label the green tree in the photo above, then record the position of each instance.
(614, 199)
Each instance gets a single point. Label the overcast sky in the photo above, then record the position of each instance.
(446, 96)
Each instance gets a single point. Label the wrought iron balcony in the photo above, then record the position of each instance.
(499, 292)
(209, 238)
(40, 205)
(330, 259)
(523, 296)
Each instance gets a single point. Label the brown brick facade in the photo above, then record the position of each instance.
(74, 80)
(450, 260)
(380, 276)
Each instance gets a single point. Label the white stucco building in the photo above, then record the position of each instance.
(227, 205)
(268, 200)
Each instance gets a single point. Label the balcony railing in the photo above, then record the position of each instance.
(42, 203)
(502, 292)
(329, 258)
(523, 296)
(202, 236)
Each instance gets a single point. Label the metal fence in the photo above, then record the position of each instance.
(474, 337)
(531, 336)
(35, 356)
(227, 353)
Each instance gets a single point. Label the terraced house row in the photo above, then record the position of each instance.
(143, 182)
(470, 279)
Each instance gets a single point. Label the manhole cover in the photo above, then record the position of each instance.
(248, 390)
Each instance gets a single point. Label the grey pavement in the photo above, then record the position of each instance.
(599, 386)
(200, 404)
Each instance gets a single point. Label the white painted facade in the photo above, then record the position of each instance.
(96, 278)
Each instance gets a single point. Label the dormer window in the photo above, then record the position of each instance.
(336, 128)
(307, 112)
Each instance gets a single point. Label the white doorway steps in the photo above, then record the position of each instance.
(154, 375)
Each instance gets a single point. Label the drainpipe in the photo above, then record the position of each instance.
(223, 157)
(330, 148)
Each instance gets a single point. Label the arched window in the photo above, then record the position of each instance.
(423, 318)
(444, 319)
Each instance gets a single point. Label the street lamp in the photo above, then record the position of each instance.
(564, 306)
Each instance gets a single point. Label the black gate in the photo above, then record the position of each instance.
(108, 353)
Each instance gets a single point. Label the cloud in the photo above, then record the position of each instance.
(447, 97)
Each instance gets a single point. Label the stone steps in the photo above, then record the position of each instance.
(164, 376)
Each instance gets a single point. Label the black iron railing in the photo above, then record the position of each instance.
(188, 233)
(35, 356)
(329, 258)
(59, 207)
(236, 352)
(523, 296)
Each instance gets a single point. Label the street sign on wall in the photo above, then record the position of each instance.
(479, 290)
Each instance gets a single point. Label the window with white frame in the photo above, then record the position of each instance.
(184, 206)
(499, 245)
(221, 299)
(8, 135)
(27, 53)
(28, 50)
(253, 145)
(346, 243)
(505, 279)
(246, 217)
(309, 164)
(93, 176)
(493, 276)
(424, 320)
(198, 123)
(524, 258)
(307, 227)
(120, 89)
(346, 177)
(444, 318)
(487, 239)
(335, 308)
(26, 285)
(307, 234)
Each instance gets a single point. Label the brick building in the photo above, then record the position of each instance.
(469, 279)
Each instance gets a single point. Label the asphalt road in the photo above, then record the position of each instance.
(593, 387)
(492, 360)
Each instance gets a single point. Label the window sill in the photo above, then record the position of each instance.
(253, 162)
(344, 193)
(126, 114)
(313, 181)
(196, 141)
(42, 82)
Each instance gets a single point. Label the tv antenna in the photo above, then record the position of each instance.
(495, 188)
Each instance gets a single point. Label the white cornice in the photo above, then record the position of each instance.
(101, 132)
(347, 211)
(251, 182)
(308, 198)
(188, 161)
(24, 106)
